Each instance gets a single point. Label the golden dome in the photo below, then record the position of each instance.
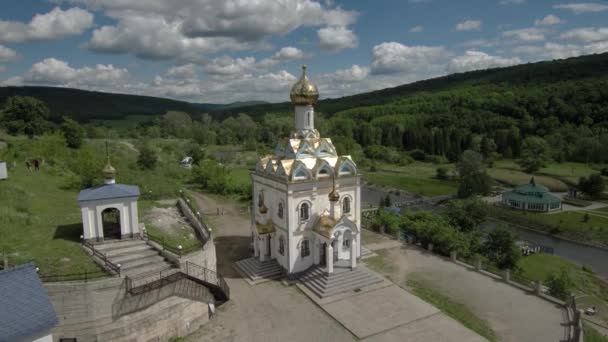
(333, 195)
(108, 171)
(304, 92)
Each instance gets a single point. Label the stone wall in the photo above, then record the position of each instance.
(102, 311)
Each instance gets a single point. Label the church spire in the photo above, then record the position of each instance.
(108, 172)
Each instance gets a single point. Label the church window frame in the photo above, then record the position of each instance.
(304, 211)
(281, 245)
(280, 210)
(305, 248)
(346, 205)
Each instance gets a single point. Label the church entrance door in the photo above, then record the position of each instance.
(335, 249)
(111, 223)
(323, 254)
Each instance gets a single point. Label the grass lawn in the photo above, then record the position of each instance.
(592, 335)
(40, 219)
(513, 178)
(568, 171)
(587, 287)
(453, 309)
(41, 223)
(569, 224)
(417, 178)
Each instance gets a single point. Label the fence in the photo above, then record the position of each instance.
(82, 276)
(110, 266)
(154, 280)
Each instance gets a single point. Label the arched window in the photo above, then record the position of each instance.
(308, 119)
(305, 248)
(260, 199)
(281, 245)
(304, 211)
(346, 205)
(280, 211)
(345, 243)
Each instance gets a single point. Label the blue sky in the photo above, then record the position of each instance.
(222, 51)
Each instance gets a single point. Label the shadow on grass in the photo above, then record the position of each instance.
(68, 232)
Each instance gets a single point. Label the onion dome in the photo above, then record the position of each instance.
(334, 196)
(304, 92)
(108, 172)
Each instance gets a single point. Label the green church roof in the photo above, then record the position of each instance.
(531, 193)
(531, 188)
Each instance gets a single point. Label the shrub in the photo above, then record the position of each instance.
(559, 285)
(442, 173)
(418, 155)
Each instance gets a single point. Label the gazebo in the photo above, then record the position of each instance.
(531, 197)
(109, 211)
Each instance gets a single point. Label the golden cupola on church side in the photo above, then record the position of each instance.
(304, 92)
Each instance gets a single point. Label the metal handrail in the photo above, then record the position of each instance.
(108, 264)
(149, 281)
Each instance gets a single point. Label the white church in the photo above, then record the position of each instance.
(306, 198)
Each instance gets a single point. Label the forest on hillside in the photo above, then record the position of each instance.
(543, 111)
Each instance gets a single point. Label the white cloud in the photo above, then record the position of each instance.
(468, 25)
(547, 20)
(353, 74)
(7, 54)
(531, 34)
(288, 53)
(585, 7)
(512, 2)
(559, 51)
(396, 57)
(52, 71)
(586, 34)
(417, 28)
(53, 25)
(186, 71)
(227, 65)
(174, 29)
(337, 38)
(475, 60)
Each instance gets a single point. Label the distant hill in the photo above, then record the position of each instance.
(84, 105)
(531, 74)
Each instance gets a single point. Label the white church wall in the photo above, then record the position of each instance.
(92, 220)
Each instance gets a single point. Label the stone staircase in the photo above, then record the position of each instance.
(343, 279)
(135, 257)
(256, 271)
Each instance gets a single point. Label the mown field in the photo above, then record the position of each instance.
(570, 224)
(586, 286)
(420, 177)
(417, 178)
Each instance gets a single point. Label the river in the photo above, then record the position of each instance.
(596, 258)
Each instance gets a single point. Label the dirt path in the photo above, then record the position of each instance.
(264, 312)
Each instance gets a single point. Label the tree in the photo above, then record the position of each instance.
(472, 174)
(593, 185)
(86, 167)
(73, 132)
(147, 157)
(501, 249)
(535, 153)
(559, 285)
(25, 115)
(465, 215)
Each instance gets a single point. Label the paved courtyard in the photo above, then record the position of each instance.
(513, 314)
(273, 312)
